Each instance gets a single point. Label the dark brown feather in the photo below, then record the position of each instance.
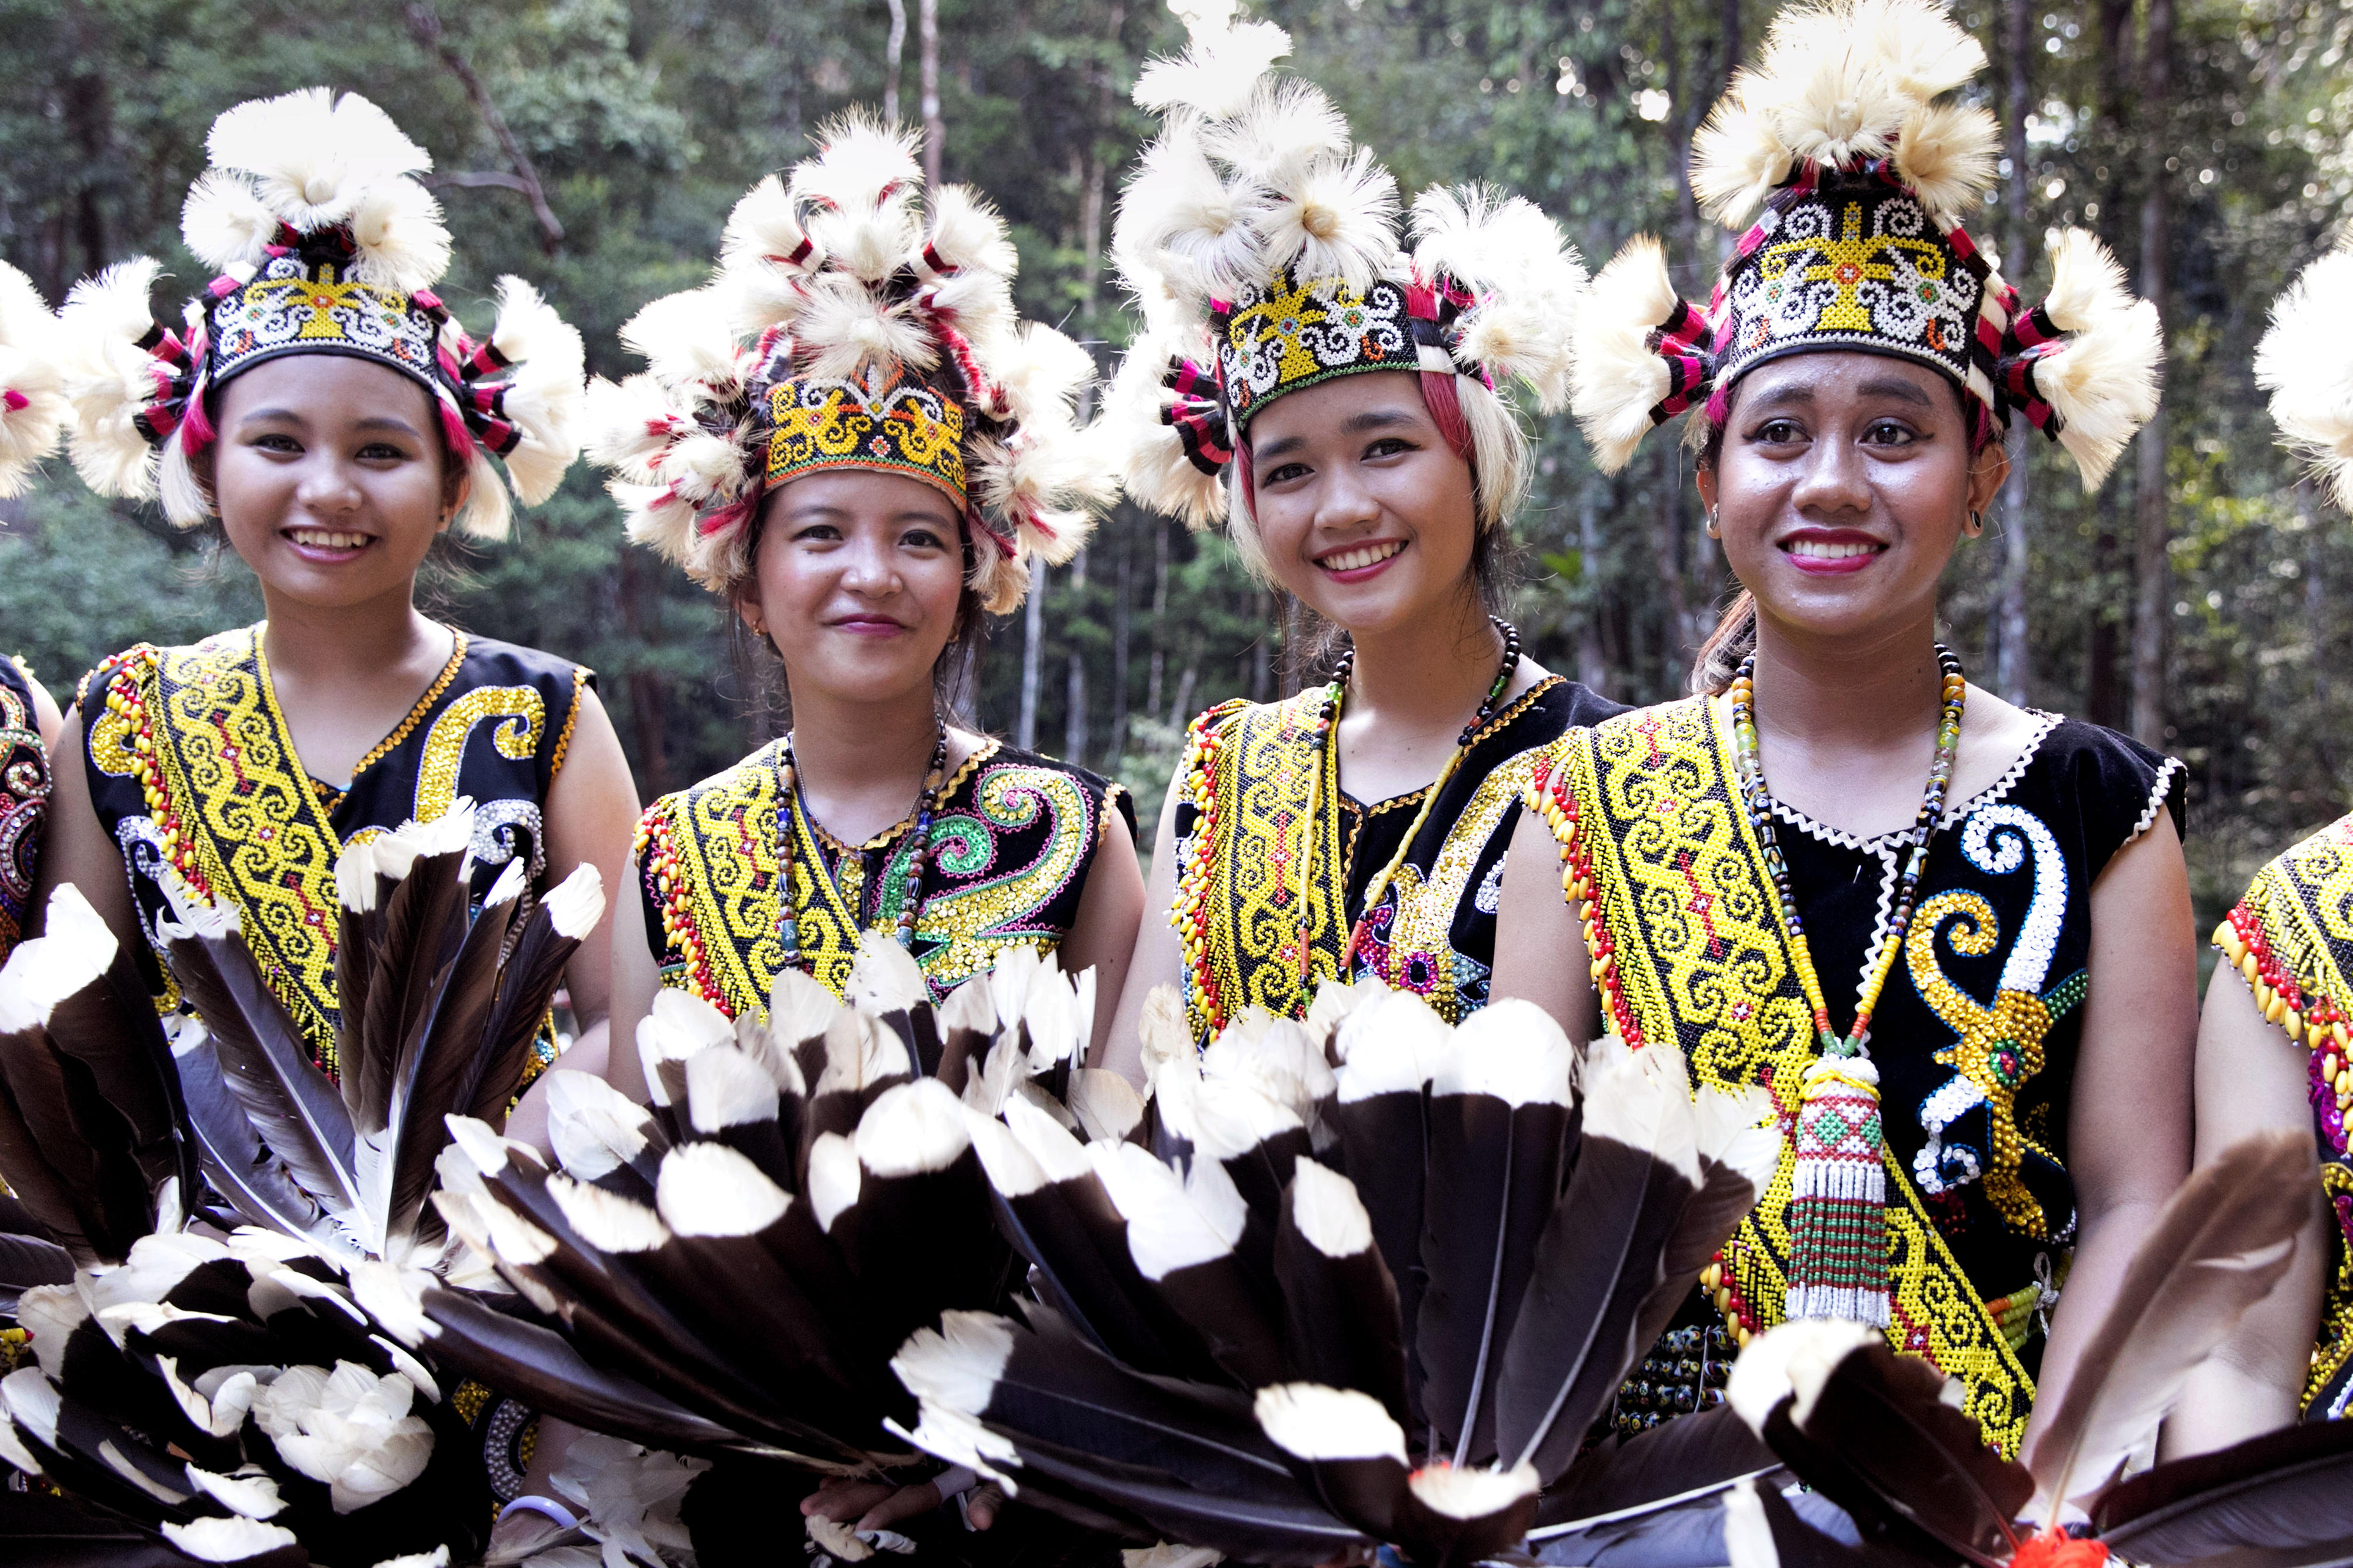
(2286, 1495)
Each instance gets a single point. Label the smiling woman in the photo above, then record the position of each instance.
(1949, 937)
(1334, 399)
(864, 480)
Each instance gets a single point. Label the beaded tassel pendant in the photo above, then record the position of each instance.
(1837, 1197)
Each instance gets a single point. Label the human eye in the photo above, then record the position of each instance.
(275, 441)
(1389, 447)
(1777, 432)
(1890, 433)
(816, 534)
(923, 539)
(1283, 472)
(383, 452)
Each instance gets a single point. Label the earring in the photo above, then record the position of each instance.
(1714, 527)
(1975, 527)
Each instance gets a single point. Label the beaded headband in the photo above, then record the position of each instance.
(1266, 254)
(326, 244)
(1861, 175)
(855, 324)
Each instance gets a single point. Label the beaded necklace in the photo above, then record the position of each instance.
(910, 888)
(1838, 1261)
(1335, 693)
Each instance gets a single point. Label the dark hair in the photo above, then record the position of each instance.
(1734, 639)
(760, 665)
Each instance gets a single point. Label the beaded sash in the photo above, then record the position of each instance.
(1688, 944)
(2292, 938)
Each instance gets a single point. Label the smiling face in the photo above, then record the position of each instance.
(330, 477)
(1842, 486)
(857, 578)
(1365, 514)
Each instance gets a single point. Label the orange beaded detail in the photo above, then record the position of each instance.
(1189, 913)
(130, 712)
(658, 859)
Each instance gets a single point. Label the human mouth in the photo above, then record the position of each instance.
(331, 543)
(1827, 553)
(869, 626)
(1360, 561)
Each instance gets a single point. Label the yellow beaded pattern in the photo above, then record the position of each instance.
(1256, 933)
(519, 715)
(2290, 938)
(1684, 931)
(570, 717)
(710, 853)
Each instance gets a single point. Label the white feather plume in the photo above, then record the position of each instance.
(2306, 365)
(1215, 76)
(629, 423)
(1192, 226)
(847, 328)
(1947, 154)
(857, 196)
(545, 397)
(687, 338)
(1152, 468)
(312, 155)
(224, 222)
(1532, 282)
(1921, 49)
(108, 377)
(1287, 123)
(1824, 91)
(969, 235)
(2104, 383)
(766, 224)
(403, 244)
(30, 373)
(1616, 379)
(1040, 372)
(1336, 219)
(1736, 160)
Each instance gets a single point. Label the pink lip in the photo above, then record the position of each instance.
(869, 626)
(1840, 566)
(1361, 573)
(322, 557)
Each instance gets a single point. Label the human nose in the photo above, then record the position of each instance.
(870, 568)
(326, 486)
(1344, 502)
(1831, 481)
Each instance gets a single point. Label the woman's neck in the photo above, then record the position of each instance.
(1428, 674)
(858, 763)
(1835, 691)
(348, 645)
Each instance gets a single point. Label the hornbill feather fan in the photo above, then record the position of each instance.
(1254, 1380)
(796, 1202)
(2282, 1497)
(237, 1397)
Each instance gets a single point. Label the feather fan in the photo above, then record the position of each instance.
(2277, 1497)
(1430, 1240)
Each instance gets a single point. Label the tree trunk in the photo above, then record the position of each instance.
(425, 27)
(1592, 668)
(893, 54)
(1033, 653)
(935, 134)
(1262, 653)
(1159, 666)
(1122, 619)
(1180, 713)
(647, 697)
(2150, 525)
(1074, 715)
(1676, 647)
(2010, 664)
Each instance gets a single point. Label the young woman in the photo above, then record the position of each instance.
(33, 411)
(2274, 1043)
(1948, 938)
(863, 481)
(321, 404)
(1334, 399)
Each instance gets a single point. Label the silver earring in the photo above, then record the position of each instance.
(1714, 528)
(1975, 527)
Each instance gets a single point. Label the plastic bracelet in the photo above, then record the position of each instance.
(955, 1481)
(546, 1507)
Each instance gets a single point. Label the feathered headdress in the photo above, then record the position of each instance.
(1838, 133)
(325, 245)
(33, 407)
(854, 324)
(2302, 363)
(1266, 254)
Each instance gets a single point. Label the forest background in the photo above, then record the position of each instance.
(594, 147)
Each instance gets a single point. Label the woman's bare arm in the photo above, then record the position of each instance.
(2128, 1123)
(635, 978)
(76, 848)
(592, 811)
(2252, 1078)
(1103, 938)
(1540, 953)
(1159, 956)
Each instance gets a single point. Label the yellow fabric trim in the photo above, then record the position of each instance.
(520, 713)
(1697, 953)
(580, 674)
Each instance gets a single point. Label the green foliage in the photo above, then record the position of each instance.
(645, 121)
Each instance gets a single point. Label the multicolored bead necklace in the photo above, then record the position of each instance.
(1839, 1193)
(1335, 693)
(919, 854)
